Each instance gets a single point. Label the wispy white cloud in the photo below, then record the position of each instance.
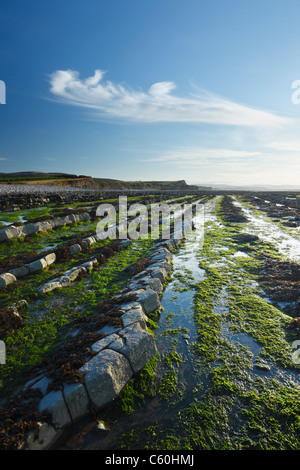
(199, 156)
(284, 145)
(157, 104)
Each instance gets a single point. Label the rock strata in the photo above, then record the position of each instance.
(118, 356)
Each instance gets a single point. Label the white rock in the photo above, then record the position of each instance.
(7, 278)
(50, 286)
(11, 232)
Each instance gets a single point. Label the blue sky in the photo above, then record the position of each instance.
(160, 90)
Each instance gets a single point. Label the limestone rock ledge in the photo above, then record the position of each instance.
(123, 353)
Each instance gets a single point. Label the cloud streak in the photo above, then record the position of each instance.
(157, 104)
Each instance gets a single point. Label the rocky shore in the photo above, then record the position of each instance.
(91, 369)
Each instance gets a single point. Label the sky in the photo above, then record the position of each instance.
(205, 91)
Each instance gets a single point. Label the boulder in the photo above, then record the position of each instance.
(72, 274)
(74, 249)
(149, 300)
(7, 278)
(20, 304)
(19, 272)
(87, 242)
(152, 283)
(54, 402)
(50, 286)
(84, 216)
(11, 232)
(134, 315)
(104, 343)
(58, 222)
(76, 400)
(162, 256)
(138, 346)
(43, 438)
(159, 273)
(37, 265)
(43, 226)
(160, 264)
(125, 243)
(30, 229)
(105, 375)
(64, 281)
(89, 264)
(51, 258)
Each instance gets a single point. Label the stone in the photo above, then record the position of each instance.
(105, 375)
(3, 236)
(7, 278)
(42, 385)
(19, 272)
(46, 435)
(162, 257)
(149, 300)
(58, 222)
(135, 315)
(74, 249)
(138, 346)
(37, 265)
(73, 218)
(152, 283)
(169, 244)
(11, 232)
(75, 272)
(30, 229)
(54, 402)
(87, 242)
(64, 281)
(43, 226)
(136, 326)
(51, 258)
(89, 264)
(50, 286)
(84, 216)
(159, 273)
(129, 306)
(104, 343)
(76, 399)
